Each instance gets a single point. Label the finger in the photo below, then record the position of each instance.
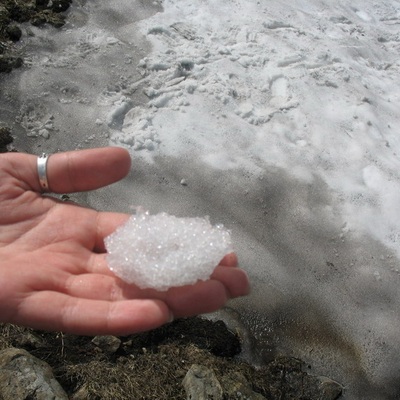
(107, 223)
(235, 280)
(111, 288)
(103, 287)
(230, 260)
(203, 297)
(98, 263)
(60, 312)
(78, 171)
(73, 171)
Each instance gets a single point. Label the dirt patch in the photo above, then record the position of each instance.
(14, 12)
(152, 365)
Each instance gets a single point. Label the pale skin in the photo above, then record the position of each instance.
(53, 270)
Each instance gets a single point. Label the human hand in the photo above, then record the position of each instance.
(53, 270)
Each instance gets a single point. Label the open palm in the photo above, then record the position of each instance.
(53, 271)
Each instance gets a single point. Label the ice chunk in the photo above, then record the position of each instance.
(162, 251)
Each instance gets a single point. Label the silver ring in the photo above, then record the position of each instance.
(42, 171)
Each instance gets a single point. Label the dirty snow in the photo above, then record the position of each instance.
(279, 119)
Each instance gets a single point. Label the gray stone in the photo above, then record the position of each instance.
(235, 386)
(30, 340)
(330, 389)
(23, 376)
(321, 387)
(108, 344)
(200, 383)
(81, 394)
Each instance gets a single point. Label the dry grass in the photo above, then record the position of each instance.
(152, 365)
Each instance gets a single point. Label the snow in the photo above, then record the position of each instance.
(317, 95)
(282, 119)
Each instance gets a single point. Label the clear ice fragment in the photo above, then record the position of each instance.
(162, 251)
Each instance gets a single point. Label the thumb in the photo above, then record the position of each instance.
(73, 171)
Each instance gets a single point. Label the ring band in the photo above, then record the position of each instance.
(42, 171)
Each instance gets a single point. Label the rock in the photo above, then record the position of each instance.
(29, 340)
(108, 344)
(7, 63)
(321, 387)
(60, 5)
(5, 139)
(287, 379)
(235, 386)
(330, 389)
(214, 337)
(200, 383)
(23, 376)
(14, 33)
(82, 393)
